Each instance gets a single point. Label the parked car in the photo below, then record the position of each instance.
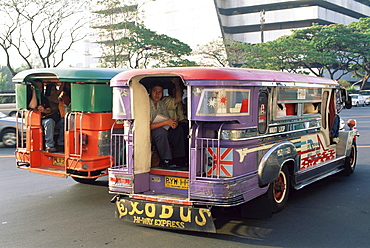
(357, 100)
(8, 130)
(7, 104)
(367, 100)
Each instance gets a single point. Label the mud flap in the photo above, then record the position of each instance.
(161, 215)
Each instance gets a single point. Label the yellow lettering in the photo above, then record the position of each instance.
(167, 212)
(182, 225)
(134, 209)
(184, 218)
(150, 209)
(145, 221)
(122, 211)
(137, 219)
(203, 221)
(149, 221)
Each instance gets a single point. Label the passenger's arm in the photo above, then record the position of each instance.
(178, 91)
(170, 122)
(33, 102)
(61, 87)
(44, 110)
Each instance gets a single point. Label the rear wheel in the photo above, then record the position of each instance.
(278, 191)
(8, 137)
(84, 180)
(350, 162)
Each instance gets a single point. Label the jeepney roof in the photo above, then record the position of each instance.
(223, 76)
(87, 75)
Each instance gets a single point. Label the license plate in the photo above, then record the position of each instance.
(176, 182)
(58, 161)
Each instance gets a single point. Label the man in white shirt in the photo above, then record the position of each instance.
(165, 130)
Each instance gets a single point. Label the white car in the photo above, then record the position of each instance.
(367, 100)
(357, 100)
(8, 130)
(7, 104)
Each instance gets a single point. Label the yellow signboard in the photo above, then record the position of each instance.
(176, 182)
(58, 161)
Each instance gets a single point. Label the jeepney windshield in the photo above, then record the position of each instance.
(223, 102)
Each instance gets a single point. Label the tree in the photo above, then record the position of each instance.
(213, 53)
(329, 49)
(126, 42)
(143, 46)
(112, 20)
(360, 50)
(6, 79)
(40, 32)
(284, 54)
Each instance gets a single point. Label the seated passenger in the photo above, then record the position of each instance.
(52, 94)
(65, 100)
(165, 131)
(280, 110)
(48, 119)
(176, 111)
(310, 108)
(173, 102)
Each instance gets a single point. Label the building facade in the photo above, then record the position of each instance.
(253, 21)
(197, 22)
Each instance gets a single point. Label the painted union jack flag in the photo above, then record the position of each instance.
(219, 162)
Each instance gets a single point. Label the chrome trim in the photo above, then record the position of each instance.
(276, 134)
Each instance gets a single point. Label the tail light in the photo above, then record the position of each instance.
(351, 123)
(85, 139)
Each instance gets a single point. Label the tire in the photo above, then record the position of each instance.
(351, 160)
(278, 191)
(8, 137)
(85, 180)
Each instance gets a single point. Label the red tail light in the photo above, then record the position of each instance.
(351, 123)
(85, 139)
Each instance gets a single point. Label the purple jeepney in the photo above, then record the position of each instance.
(249, 134)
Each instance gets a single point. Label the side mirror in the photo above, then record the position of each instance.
(348, 103)
(344, 95)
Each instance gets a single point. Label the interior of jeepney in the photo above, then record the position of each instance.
(173, 87)
(58, 97)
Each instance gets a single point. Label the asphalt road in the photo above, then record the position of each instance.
(44, 211)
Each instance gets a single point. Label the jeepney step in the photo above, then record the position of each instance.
(59, 172)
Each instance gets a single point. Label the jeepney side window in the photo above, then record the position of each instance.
(293, 101)
(262, 112)
(118, 105)
(221, 102)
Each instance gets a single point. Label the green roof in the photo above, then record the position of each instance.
(87, 75)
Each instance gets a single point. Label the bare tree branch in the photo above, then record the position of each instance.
(41, 31)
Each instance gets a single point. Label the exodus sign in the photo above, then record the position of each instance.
(165, 216)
